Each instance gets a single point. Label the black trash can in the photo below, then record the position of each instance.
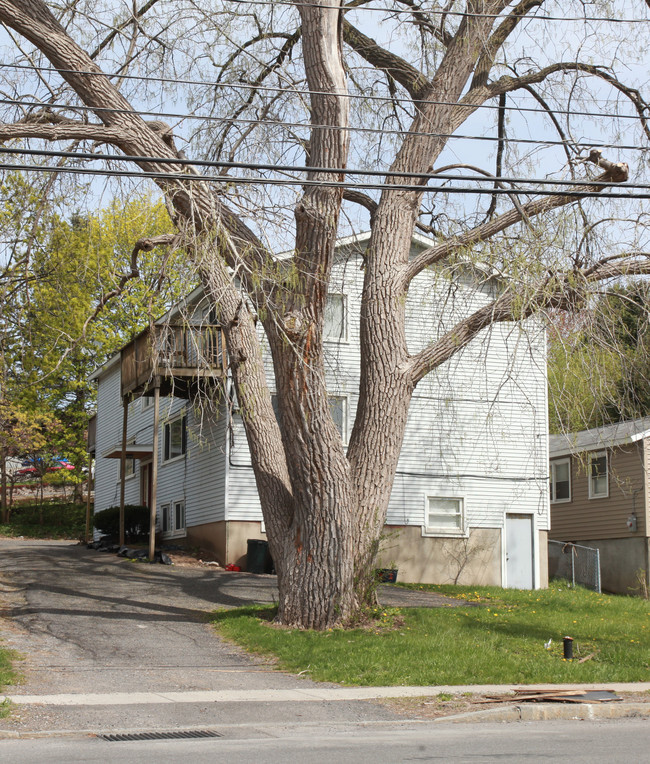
(258, 557)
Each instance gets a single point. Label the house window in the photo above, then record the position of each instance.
(175, 439)
(339, 411)
(561, 480)
(129, 467)
(147, 401)
(173, 519)
(444, 516)
(335, 324)
(598, 482)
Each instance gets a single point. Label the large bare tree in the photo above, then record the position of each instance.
(304, 82)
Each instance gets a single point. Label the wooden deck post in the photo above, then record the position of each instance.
(125, 417)
(154, 469)
(88, 487)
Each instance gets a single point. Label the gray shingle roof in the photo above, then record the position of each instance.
(599, 437)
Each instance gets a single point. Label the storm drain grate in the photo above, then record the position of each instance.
(179, 735)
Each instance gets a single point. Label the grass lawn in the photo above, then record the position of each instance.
(60, 521)
(499, 640)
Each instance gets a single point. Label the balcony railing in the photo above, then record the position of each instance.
(173, 351)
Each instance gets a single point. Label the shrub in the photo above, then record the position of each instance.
(136, 521)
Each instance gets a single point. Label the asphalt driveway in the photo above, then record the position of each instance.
(90, 622)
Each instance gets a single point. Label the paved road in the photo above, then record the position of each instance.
(92, 622)
(575, 742)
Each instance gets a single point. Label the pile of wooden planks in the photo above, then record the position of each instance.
(528, 695)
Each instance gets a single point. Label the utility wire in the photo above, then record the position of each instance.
(229, 180)
(435, 12)
(259, 166)
(439, 12)
(301, 92)
(355, 129)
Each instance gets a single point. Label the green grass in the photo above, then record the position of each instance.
(499, 641)
(60, 521)
(7, 675)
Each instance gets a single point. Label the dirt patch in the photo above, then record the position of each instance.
(435, 707)
(193, 559)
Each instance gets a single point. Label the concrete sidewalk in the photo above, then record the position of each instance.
(311, 693)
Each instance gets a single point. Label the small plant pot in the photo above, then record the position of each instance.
(386, 575)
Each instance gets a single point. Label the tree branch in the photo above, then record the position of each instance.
(498, 38)
(615, 172)
(400, 70)
(562, 291)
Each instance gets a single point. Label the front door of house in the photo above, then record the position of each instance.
(519, 552)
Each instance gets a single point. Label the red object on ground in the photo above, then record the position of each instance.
(232, 566)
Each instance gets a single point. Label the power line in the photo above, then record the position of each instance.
(229, 179)
(259, 166)
(440, 12)
(297, 91)
(356, 129)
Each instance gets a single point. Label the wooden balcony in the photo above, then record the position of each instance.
(179, 355)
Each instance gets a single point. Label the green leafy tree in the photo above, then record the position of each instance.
(51, 345)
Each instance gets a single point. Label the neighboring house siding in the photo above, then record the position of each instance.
(603, 518)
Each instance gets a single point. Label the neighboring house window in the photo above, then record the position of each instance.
(175, 439)
(147, 401)
(444, 516)
(561, 480)
(598, 482)
(335, 325)
(173, 519)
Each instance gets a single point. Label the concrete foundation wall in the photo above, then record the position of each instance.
(475, 561)
(621, 562)
(210, 536)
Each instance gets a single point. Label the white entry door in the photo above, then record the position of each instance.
(519, 552)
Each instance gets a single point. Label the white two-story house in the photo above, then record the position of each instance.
(470, 499)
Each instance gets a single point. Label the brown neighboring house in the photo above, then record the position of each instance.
(600, 498)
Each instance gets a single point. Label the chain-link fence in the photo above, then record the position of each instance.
(575, 563)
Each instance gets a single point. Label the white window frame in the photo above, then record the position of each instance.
(172, 507)
(593, 456)
(461, 531)
(147, 402)
(343, 337)
(553, 482)
(166, 428)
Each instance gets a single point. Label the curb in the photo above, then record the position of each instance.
(534, 712)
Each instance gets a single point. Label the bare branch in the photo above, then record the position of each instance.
(562, 291)
(498, 38)
(64, 130)
(615, 172)
(400, 70)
